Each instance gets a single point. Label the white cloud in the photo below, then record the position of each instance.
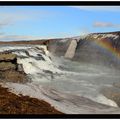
(24, 14)
(11, 17)
(4, 22)
(4, 37)
(105, 24)
(16, 37)
(99, 8)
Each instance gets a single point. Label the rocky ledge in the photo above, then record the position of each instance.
(10, 70)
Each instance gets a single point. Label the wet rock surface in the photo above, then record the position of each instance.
(10, 70)
(13, 76)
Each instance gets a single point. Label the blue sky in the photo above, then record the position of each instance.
(37, 22)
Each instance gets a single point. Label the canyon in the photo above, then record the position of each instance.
(76, 75)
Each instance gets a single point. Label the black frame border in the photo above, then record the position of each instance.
(61, 3)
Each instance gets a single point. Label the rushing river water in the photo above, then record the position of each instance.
(72, 87)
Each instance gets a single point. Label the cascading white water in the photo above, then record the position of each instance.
(62, 82)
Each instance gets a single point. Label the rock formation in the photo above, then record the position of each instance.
(10, 70)
(71, 50)
(59, 47)
(100, 49)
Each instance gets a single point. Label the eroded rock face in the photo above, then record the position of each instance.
(71, 50)
(95, 48)
(7, 57)
(7, 66)
(59, 47)
(63, 47)
(8, 61)
(10, 70)
(100, 49)
(13, 76)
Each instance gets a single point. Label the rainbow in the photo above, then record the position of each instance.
(104, 43)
